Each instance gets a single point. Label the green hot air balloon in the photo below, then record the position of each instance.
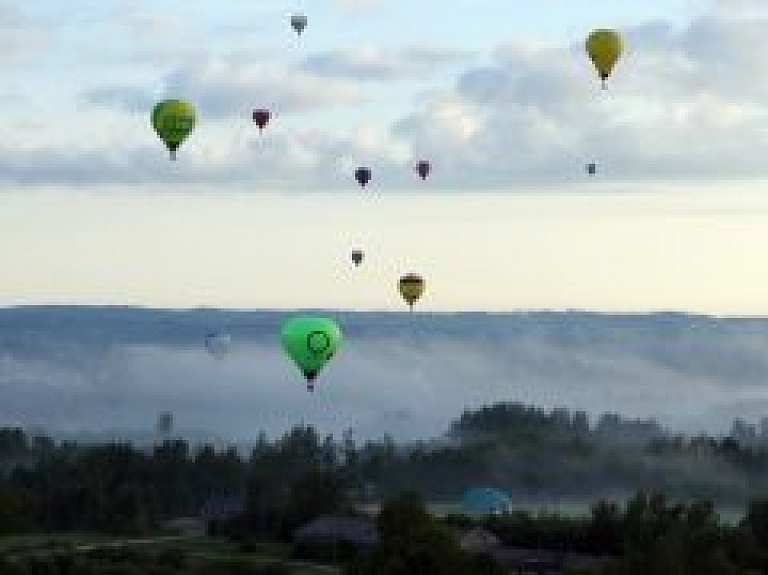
(173, 120)
(311, 342)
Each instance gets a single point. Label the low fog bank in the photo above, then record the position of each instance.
(78, 371)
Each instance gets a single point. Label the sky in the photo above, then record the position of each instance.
(498, 95)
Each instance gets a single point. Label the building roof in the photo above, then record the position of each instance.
(485, 501)
(517, 558)
(186, 525)
(222, 507)
(479, 541)
(353, 529)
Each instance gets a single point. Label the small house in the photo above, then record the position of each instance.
(479, 541)
(359, 531)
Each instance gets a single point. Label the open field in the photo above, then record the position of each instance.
(209, 550)
(729, 515)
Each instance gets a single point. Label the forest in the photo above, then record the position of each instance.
(671, 485)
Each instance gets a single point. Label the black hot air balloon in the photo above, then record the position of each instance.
(261, 118)
(357, 257)
(422, 168)
(591, 169)
(298, 23)
(363, 175)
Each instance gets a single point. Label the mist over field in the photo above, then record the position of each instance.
(77, 370)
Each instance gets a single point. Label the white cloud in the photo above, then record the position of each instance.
(378, 64)
(357, 6)
(685, 103)
(226, 88)
(21, 38)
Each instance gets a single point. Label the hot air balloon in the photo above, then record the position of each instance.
(311, 342)
(483, 501)
(173, 120)
(363, 175)
(422, 168)
(164, 425)
(357, 257)
(411, 287)
(298, 23)
(591, 169)
(218, 343)
(261, 118)
(604, 48)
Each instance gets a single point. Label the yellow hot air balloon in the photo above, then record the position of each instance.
(604, 48)
(411, 288)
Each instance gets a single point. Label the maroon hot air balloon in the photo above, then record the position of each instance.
(261, 118)
(423, 168)
(363, 175)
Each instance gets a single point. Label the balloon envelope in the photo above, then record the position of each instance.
(311, 342)
(261, 118)
(411, 288)
(486, 501)
(164, 425)
(218, 343)
(173, 120)
(423, 168)
(604, 48)
(298, 22)
(363, 175)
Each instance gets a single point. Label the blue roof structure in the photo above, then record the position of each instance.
(485, 501)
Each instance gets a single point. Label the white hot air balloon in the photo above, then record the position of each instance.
(218, 343)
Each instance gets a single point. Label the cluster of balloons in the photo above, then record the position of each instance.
(174, 120)
(311, 342)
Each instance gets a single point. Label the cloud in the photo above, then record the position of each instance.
(132, 99)
(225, 88)
(683, 103)
(149, 26)
(357, 6)
(21, 38)
(740, 8)
(215, 153)
(378, 64)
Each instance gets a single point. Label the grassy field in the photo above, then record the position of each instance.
(729, 515)
(207, 549)
(12, 544)
(214, 549)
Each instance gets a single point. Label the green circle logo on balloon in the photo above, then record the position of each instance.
(311, 342)
(173, 120)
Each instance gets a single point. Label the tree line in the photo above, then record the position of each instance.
(533, 453)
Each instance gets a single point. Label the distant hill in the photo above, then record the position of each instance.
(125, 324)
(88, 369)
